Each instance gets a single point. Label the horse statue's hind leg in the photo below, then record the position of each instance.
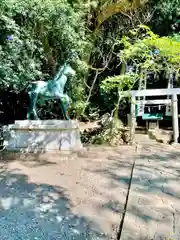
(32, 107)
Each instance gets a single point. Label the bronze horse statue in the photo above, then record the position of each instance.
(51, 89)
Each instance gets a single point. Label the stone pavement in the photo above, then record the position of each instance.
(82, 196)
(54, 196)
(153, 211)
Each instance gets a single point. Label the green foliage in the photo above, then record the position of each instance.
(120, 82)
(111, 132)
(77, 89)
(147, 52)
(169, 49)
(141, 50)
(166, 16)
(39, 31)
(36, 37)
(21, 56)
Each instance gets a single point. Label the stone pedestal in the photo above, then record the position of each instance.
(55, 135)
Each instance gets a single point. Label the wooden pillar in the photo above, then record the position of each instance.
(175, 119)
(133, 119)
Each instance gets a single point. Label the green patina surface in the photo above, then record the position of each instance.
(52, 89)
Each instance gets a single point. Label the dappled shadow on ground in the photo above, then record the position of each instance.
(113, 169)
(154, 205)
(97, 182)
(35, 160)
(27, 159)
(153, 210)
(38, 211)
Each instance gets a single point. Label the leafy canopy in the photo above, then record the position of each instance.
(36, 37)
(145, 52)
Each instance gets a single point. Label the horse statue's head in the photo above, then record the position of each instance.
(67, 70)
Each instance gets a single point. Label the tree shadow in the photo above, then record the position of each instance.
(154, 196)
(38, 211)
(38, 159)
(152, 210)
(27, 159)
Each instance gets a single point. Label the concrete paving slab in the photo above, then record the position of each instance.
(153, 210)
(82, 195)
(54, 196)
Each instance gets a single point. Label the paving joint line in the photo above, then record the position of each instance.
(119, 233)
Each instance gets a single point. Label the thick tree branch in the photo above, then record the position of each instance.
(98, 71)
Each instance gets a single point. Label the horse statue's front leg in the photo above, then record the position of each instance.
(29, 114)
(32, 108)
(65, 105)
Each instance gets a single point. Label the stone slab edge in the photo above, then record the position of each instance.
(61, 125)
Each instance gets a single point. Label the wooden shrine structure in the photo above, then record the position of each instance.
(141, 103)
(172, 102)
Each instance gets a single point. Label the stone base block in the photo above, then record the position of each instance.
(31, 136)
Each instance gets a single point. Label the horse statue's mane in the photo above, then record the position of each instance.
(59, 73)
(61, 69)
